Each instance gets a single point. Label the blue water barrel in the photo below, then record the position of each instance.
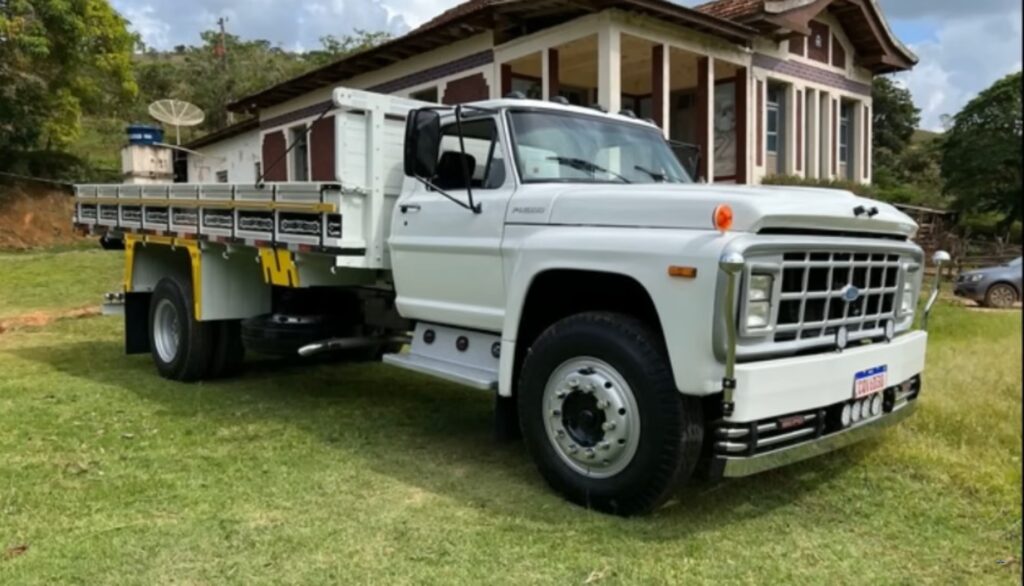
(144, 134)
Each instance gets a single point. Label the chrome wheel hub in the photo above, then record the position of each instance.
(591, 417)
(166, 330)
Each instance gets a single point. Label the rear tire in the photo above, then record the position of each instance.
(180, 345)
(601, 415)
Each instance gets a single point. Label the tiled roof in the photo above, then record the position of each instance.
(731, 9)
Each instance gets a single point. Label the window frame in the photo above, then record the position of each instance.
(495, 151)
(298, 142)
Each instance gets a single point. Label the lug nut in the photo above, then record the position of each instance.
(560, 433)
(574, 382)
(560, 395)
(602, 404)
(608, 426)
(590, 454)
(573, 449)
(589, 388)
(556, 413)
(606, 446)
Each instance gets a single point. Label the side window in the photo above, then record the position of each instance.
(484, 157)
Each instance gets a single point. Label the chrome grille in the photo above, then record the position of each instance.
(813, 285)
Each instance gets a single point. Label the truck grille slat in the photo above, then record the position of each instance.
(825, 288)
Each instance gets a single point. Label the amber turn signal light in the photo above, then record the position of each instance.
(722, 218)
(682, 272)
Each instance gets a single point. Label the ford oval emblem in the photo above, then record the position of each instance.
(850, 294)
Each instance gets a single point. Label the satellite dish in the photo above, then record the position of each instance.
(177, 113)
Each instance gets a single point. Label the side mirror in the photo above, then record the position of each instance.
(422, 143)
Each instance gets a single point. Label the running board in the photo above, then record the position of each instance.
(461, 356)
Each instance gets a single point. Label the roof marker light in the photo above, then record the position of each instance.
(722, 218)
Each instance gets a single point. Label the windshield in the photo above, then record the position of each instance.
(569, 148)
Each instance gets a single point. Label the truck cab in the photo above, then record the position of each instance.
(635, 326)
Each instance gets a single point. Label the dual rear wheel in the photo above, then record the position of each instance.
(185, 349)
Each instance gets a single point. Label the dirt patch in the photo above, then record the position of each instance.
(35, 216)
(38, 319)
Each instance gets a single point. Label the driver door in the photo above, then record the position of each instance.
(446, 259)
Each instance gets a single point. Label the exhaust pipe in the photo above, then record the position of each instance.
(335, 344)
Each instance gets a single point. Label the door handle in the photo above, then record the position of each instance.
(409, 208)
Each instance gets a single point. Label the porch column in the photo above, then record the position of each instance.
(855, 154)
(660, 83)
(550, 74)
(813, 134)
(792, 128)
(741, 87)
(705, 117)
(609, 67)
(825, 150)
(867, 122)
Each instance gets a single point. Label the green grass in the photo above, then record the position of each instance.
(365, 475)
(55, 280)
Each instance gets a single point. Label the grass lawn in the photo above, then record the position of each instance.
(364, 474)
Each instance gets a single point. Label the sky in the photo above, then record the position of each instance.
(964, 45)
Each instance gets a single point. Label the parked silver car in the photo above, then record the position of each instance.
(993, 286)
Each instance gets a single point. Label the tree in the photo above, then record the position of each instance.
(60, 59)
(895, 119)
(334, 48)
(982, 155)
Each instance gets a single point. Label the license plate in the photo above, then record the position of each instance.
(870, 381)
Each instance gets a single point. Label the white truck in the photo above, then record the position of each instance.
(635, 326)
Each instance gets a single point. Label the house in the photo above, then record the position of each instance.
(762, 87)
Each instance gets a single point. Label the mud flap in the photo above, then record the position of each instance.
(136, 323)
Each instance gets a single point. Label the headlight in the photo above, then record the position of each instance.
(975, 278)
(908, 301)
(760, 288)
(759, 314)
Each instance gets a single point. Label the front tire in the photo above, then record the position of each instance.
(1001, 296)
(179, 344)
(601, 415)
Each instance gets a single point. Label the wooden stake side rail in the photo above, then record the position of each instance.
(303, 217)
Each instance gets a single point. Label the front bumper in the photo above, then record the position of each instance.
(724, 466)
(969, 291)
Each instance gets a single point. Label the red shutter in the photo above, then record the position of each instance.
(817, 43)
(275, 167)
(838, 53)
(796, 45)
(472, 88)
(321, 146)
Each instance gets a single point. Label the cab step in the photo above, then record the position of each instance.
(466, 357)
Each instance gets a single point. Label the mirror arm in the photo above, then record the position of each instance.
(466, 175)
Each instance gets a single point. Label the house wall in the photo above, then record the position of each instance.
(810, 141)
(815, 91)
(238, 155)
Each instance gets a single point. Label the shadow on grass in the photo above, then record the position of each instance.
(425, 433)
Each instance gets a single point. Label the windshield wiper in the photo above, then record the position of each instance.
(659, 177)
(587, 166)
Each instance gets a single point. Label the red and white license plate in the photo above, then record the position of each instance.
(870, 381)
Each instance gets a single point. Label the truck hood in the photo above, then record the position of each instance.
(691, 207)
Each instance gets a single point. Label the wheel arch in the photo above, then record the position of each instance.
(555, 293)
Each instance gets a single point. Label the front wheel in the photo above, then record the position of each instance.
(601, 415)
(1001, 296)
